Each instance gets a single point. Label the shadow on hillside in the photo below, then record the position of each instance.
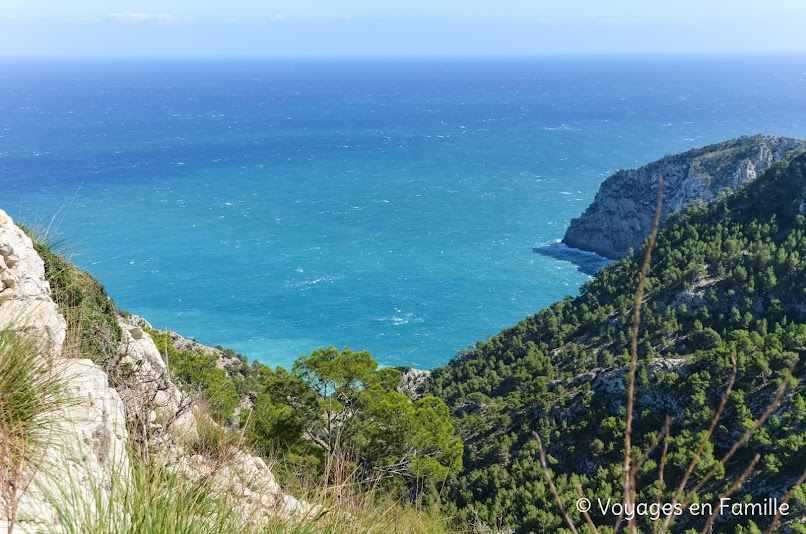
(586, 262)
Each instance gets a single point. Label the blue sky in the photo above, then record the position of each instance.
(116, 28)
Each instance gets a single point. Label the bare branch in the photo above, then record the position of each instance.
(706, 438)
(661, 469)
(664, 431)
(587, 517)
(629, 479)
(736, 485)
(760, 421)
(553, 489)
(785, 500)
(735, 447)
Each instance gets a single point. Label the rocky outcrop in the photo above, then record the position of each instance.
(620, 217)
(25, 301)
(413, 381)
(86, 437)
(85, 459)
(249, 479)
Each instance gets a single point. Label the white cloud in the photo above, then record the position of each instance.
(139, 18)
(617, 22)
(279, 17)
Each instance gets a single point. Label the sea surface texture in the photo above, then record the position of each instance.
(276, 206)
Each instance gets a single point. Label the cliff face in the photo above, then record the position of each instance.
(85, 461)
(87, 436)
(729, 278)
(620, 217)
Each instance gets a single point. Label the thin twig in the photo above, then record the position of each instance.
(664, 431)
(735, 447)
(704, 441)
(785, 500)
(629, 479)
(587, 517)
(553, 489)
(760, 421)
(736, 485)
(660, 471)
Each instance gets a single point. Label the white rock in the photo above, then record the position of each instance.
(87, 445)
(620, 217)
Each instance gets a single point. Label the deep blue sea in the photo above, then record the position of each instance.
(275, 206)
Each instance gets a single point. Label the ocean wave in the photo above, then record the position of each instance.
(399, 319)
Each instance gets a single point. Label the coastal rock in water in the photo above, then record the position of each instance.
(620, 217)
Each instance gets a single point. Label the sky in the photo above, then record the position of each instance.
(204, 28)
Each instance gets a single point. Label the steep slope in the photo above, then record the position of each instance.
(108, 396)
(85, 436)
(107, 425)
(620, 217)
(729, 277)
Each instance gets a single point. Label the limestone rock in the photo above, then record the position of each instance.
(413, 383)
(143, 381)
(21, 263)
(248, 478)
(620, 217)
(86, 458)
(25, 301)
(86, 451)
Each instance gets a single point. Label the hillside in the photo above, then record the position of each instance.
(725, 278)
(107, 425)
(620, 217)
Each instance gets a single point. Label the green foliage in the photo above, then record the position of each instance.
(199, 368)
(31, 391)
(725, 278)
(339, 402)
(212, 440)
(332, 405)
(92, 327)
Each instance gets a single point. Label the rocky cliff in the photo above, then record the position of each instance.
(106, 411)
(620, 217)
(87, 436)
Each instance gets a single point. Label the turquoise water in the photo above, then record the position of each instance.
(278, 206)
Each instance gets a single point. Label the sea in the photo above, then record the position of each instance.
(275, 206)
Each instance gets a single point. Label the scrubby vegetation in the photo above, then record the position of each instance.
(92, 327)
(30, 393)
(719, 360)
(361, 479)
(726, 279)
(332, 403)
(158, 499)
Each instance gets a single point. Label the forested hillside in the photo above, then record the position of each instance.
(726, 278)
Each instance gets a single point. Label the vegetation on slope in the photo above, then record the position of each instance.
(344, 469)
(92, 326)
(30, 392)
(728, 278)
(331, 404)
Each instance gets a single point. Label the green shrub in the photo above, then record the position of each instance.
(93, 331)
(31, 392)
(212, 440)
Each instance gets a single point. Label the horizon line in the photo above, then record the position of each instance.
(403, 56)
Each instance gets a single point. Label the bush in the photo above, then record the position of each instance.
(93, 331)
(30, 393)
(212, 440)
